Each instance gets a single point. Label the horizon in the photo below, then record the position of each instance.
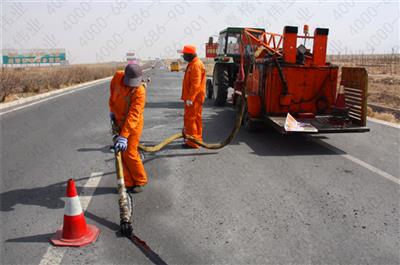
(95, 32)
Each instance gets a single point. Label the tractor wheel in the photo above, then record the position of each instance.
(220, 84)
(209, 89)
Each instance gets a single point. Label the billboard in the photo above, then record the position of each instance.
(34, 56)
(131, 56)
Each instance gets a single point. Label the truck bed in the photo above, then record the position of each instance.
(321, 123)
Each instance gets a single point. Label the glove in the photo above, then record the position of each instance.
(189, 103)
(112, 116)
(121, 144)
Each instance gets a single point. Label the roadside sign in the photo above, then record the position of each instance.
(34, 56)
(131, 56)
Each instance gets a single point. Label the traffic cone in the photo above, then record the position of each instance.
(340, 99)
(75, 231)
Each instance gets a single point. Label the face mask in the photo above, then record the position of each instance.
(188, 57)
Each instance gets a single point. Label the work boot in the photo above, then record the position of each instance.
(186, 146)
(135, 189)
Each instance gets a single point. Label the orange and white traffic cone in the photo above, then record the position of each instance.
(75, 231)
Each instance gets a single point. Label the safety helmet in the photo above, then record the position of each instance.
(189, 49)
(133, 75)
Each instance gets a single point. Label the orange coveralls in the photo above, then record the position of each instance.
(128, 107)
(193, 88)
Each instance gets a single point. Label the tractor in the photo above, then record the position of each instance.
(226, 67)
(287, 84)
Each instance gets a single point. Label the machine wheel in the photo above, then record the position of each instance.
(249, 124)
(209, 89)
(220, 84)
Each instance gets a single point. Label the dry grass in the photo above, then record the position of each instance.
(384, 90)
(384, 76)
(375, 63)
(22, 82)
(383, 80)
(384, 116)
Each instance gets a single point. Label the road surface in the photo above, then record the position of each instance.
(266, 198)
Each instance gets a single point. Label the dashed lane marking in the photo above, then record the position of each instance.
(359, 162)
(54, 255)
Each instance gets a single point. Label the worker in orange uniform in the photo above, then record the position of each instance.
(127, 100)
(193, 94)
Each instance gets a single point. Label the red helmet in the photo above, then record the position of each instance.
(189, 49)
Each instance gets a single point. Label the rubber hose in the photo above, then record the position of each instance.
(228, 140)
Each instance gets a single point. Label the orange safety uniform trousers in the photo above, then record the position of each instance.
(192, 122)
(128, 106)
(134, 172)
(193, 89)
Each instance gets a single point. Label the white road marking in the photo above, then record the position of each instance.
(360, 162)
(24, 102)
(69, 91)
(54, 255)
(394, 125)
(156, 127)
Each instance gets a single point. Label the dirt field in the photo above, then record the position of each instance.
(384, 90)
(384, 76)
(23, 82)
(383, 81)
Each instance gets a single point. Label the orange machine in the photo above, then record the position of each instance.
(282, 76)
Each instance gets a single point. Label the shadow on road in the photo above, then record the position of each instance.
(165, 105)
(50, 196)
(265, 142)
(149, 158)
(105, 149)
(139, 243)
(43, 238)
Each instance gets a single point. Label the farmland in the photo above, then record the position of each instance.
(24, 82)
(383, 82)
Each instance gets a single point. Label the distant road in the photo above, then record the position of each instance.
(266, 198)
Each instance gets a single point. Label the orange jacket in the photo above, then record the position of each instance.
(126, 104)
(194, 82)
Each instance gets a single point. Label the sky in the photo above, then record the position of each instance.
(94, 31)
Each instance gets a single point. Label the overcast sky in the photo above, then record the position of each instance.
(94, 31)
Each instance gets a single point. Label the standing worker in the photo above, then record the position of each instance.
(193, 94)
(127, 100)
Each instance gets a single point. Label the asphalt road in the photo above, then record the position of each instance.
(264, 199)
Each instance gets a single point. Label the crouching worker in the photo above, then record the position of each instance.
(193, 93)
(127, 100)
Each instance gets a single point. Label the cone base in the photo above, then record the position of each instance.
(90, 237)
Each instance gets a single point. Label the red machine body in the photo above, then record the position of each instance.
(312, 89)
(211, 48)
(281, 77)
